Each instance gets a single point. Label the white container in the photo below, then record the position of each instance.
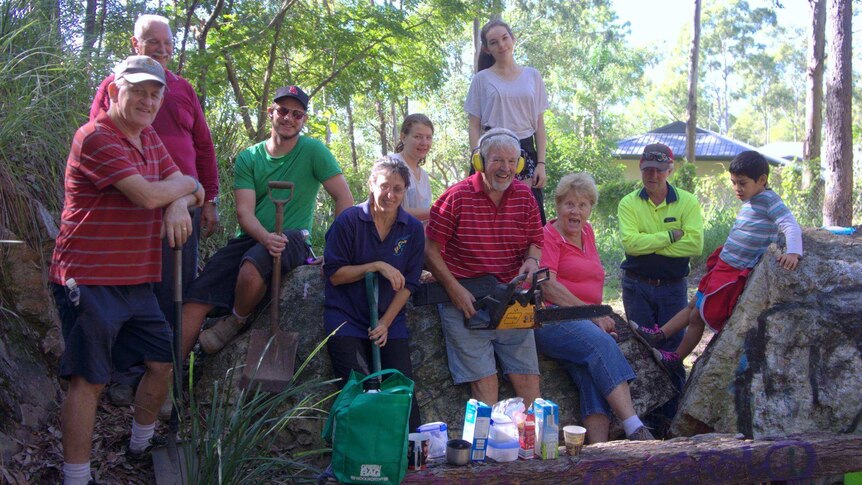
(503, 428)
(506, 450)
(439, 436)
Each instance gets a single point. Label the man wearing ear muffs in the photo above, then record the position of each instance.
(486, 224)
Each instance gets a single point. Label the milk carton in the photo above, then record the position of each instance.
(547, 429)
(477, 424)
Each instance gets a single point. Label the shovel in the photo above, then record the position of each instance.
(170, 462)
(371, 294)
(271, 355)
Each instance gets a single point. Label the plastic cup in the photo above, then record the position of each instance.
(574, 436)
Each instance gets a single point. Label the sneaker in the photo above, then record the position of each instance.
(652, 336)
(669, 360)
(216, 337)
(641, 434)
(143, 456)
(121, 394)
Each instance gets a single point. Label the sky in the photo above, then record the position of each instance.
(662, 20)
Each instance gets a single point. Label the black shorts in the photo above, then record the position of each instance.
(216, 284)
(111, 327)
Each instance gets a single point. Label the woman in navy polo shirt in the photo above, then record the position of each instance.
(377, 235)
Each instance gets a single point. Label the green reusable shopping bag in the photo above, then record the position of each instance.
(369, 430)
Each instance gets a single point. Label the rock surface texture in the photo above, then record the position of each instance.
(790, 358)
(439, 399)
(30, 345)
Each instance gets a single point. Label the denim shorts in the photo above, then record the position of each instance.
(471, 352)
(216, 284)
(111, 327)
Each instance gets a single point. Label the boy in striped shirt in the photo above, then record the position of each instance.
(762, 216)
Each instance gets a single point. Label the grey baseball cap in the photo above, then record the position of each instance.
(137, 69)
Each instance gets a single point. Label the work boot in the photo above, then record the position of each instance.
(216, 337)
(669, 360)
(120, 394)
(641, 434)
(653, 336)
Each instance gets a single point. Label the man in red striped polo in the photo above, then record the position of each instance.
(119, 180)
(486, 224)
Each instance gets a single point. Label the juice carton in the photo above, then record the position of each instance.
(527, 436)
(477, 424)
(547, 429)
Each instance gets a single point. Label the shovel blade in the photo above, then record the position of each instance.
(274, 370)
(171, 463)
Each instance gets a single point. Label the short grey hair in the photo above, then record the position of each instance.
(579, 184)
(387, 165)
(498, 139)
(145, 20)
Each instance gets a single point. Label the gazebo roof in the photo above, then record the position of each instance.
(709, 146)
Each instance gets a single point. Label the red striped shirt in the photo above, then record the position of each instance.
(105, 239)
(478, 237)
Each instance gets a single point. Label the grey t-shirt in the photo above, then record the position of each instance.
(514, 105)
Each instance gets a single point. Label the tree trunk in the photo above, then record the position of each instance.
(186, 28)
(350, 128)
(814, 95)
(240, 99)
(381, 118)
(837, 202)
(267, 80)
(202, 48)
(691, 122)
(89, 27)
(395, 124)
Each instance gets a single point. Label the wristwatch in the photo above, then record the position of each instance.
(213, 201)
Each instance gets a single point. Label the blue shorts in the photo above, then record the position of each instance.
(111, 327)
(471, 352)
(216, 285)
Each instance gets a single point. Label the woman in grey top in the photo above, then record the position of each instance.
(504, 94)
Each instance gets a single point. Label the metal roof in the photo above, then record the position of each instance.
(709, 145)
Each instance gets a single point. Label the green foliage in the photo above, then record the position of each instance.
(235, 437)
(684, 176)
(805, 204)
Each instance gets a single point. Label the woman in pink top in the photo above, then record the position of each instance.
(585, 348)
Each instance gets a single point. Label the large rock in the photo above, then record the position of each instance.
(30, 345)
(439, 399)
(790, 358)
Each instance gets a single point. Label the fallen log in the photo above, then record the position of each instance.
(710, 458)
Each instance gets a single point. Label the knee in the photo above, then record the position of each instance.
(160, 370)
(694, 320)
(249, 274)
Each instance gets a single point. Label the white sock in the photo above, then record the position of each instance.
(76, 473)
(141, 435)
(630, 425)
(238, 316)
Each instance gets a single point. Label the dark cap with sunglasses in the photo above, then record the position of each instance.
(657, 156)
(292, 92)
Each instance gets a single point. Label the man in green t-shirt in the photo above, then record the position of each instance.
(285, 156)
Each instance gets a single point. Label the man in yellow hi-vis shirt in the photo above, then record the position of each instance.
(662, 228)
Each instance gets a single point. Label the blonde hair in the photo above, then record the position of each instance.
(578, 184)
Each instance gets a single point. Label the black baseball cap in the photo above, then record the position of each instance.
(292, 92)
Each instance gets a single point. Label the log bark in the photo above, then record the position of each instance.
(713, 459)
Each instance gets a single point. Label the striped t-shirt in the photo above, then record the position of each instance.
(478, 237)
(105, 239)
(756, 227)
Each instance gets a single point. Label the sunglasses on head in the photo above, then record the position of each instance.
(656, 157)
(297, 114)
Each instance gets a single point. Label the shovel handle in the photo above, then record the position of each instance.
(280, 185)
(371, 294)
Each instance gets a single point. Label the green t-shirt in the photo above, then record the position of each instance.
(308, 165)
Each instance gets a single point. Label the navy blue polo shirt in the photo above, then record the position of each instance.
(353, 240)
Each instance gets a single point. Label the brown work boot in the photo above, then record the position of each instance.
(216, 337)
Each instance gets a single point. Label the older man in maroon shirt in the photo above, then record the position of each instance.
(181, 125)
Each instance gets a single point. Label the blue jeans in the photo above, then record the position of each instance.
(590, 356)
(654, 305)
